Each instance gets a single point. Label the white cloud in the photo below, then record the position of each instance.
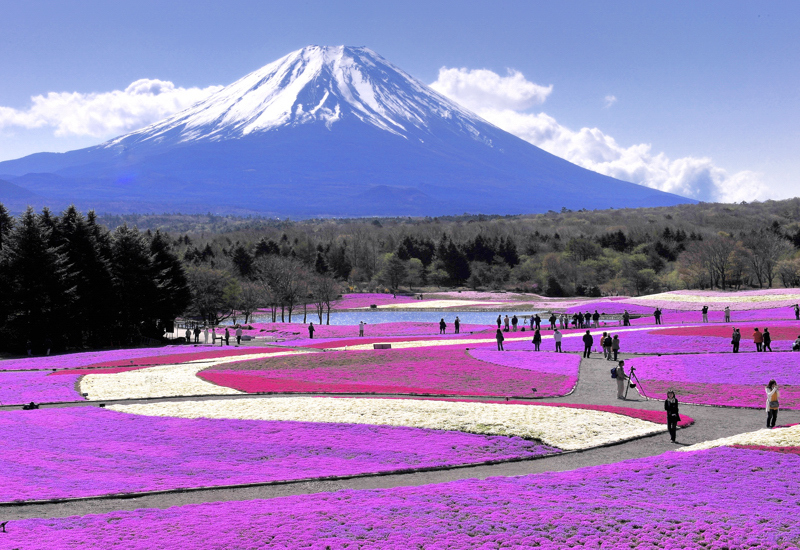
(104, 114)
(695, 177)
(482, 89)
(609, 100)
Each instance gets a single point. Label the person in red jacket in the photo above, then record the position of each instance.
(758, 339)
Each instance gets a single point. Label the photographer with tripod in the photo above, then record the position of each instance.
(622, 379)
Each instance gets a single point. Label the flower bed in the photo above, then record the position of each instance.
(784, 450)
(721, 379)
(417, 370)
(562, 427)
(778, 437)
(712, 499)
(354, 301)
(23, 387)
(742, 300)
(87, 451)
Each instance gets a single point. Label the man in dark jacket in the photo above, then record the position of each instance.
(587, 344)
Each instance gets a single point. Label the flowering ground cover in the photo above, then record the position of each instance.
(562, 427)
(740, 300)
(354, 301)
(776, 437)
(721, 379)
(88, 451)
(716, 499)
(23, 387)
(439, 370)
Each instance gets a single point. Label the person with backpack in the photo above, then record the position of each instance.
(615, 346)
(587, 344)
(557, 339)
(618, 373)
(499, 337)
(673, 417)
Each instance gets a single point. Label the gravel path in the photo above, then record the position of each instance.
(595, 387)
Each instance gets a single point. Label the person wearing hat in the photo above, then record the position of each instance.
(622, 380)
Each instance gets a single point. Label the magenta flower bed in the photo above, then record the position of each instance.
(721, 379)
(718, 499)
(427, 370)
(353, 301)
(784, 450)
(23, 387)
(57, 453)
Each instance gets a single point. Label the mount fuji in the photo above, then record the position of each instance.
(323, 131)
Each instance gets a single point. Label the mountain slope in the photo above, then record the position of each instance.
(324, 131)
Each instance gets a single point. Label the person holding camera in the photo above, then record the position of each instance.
(622, 380)
(772, 403)
(671, 406)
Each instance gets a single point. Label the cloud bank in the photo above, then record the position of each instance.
(505, 100)
(104, 114)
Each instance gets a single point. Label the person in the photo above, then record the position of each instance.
(361, 328)
(238, 335)
(574, 320)
(657, 315)
(797, 312)
(727, 314)
(457, 325)
(705, 314)
(588, 319)
(227, 337)
(564, 321)
(29, 347)
(506, 322)
(587, 344)
(552, 320)
(671, 406)
(196, 334)
(605, 341)
(499, 322)
(596, 319)
(772, 403)
(311, 330)
(796, 345)
(214, 336)
(442, 326)
(537, 339)
(557, 338)
(758, 339)
(626, 319)
(767, 340)
(48, 343)
(580, 320)
(538, 321)
(615, 345)
(735, 339)
(188, 335)
(499, 336)
(514, 322)
(622, 380)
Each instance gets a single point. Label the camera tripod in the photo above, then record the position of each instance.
(632, 376)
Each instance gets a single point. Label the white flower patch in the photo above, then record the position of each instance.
(782, 437)
(163, 380)
(562, 427)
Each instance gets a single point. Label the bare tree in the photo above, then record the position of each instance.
(325, 290)
(251, 299)
(766, 248)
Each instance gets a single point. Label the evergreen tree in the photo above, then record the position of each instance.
(134, 287)
(173, 295)
(6, 223)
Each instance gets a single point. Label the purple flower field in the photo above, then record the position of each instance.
(59, 453)
(23, 387)
(720, 498)
(353, 301)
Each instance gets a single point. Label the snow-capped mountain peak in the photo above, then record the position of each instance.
(316, 84)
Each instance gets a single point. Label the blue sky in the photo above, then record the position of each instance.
(718, 81)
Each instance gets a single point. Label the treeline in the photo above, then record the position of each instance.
(68, 283)
(559, 253)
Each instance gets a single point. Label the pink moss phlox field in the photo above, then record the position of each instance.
(425, 370)
(722, 498)
(737, 301)
(87, 451)
(23, 387)
(354, 301)
(784, 450)
(721, 379)
(611, 308)
(295, 332)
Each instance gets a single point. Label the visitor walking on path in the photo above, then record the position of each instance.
(227, 337)
(361, 328)
(615, 345)
(705, 314)
(758, 339)
(442, 326)
(772, 403)
(557, 338)
(671, 406)
(736, 337)
(311, 330)
(238, 335)
(457, 325)
(514, 322)
(605, 341)
(622, 379)
(657, 315)
(499, 336)
(767, 340)
(537, 339)
(626, 319)
(727, 314)
(587, 344)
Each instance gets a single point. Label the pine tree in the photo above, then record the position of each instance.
(134, 287)
(173, 295)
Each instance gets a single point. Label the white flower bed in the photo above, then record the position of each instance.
(782, 437)
(163, 381)
(562, 427)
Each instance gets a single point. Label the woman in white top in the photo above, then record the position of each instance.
(205, 334)
(772, 403)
